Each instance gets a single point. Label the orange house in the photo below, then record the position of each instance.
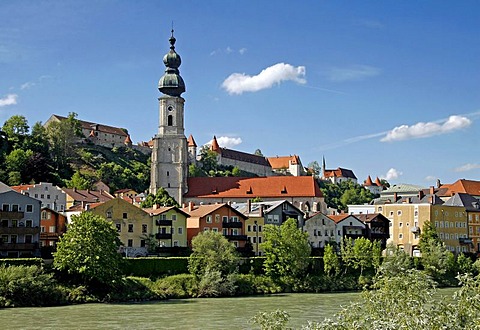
(220, 218)
(52, 226)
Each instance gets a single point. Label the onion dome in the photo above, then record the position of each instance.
(171, 83)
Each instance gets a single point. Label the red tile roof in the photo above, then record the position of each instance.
(339, 172)
(22, 187)
(199, 211)
(267, 187)
(87, 196)
(338, 217)
(368, 182)
(238, 155)
(191, 141)
(162, 209)
(283, 161)
(470, 187)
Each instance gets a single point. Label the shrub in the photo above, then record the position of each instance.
(133, 289)
(155, 267)
(28, 286)
(22, 262)
(176, 286)
(213, 284)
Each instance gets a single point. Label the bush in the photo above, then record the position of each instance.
(133, 289)
(213, 284)
(176, 286)
(22, 286)
(22, 262)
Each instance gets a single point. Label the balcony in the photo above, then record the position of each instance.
(415, 229)
(231, 224)
(10, 215)
(18, 246)
(164, 222)
(163, 236)
(236, 237)
(50, 236)
(464, 240)
(20, 230)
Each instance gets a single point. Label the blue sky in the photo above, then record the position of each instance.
(385, 88)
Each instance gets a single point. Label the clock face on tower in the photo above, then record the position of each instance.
(170, 108)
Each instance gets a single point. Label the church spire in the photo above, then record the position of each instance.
(171, 83)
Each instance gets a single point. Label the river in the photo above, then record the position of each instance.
(207, 313)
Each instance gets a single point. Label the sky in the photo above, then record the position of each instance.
(389, 89)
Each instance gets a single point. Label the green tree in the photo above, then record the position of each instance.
(88, 251)
(62, 137)
(80, 181)
(208, 159)
(330, 260)
(396, 261)
(212, 252)
(16, 128)
(287, 251)
(160, 198)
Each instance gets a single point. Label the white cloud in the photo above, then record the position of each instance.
(353, 73)
(423, 130)
(392, 174)
(238, 83)
(467, 167)
(27, 85)
(228, 142)
(430, 178)
(10, 99)
(228, 50)
(242, 51)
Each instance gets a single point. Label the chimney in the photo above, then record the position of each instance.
(432, 190)
(155, 206)
(190, 206)
(439, 184)
(184, 205)
(430, 199)
(420, 194)
(260, 209)
(395, 197)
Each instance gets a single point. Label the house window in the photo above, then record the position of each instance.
(130, 243)
(254, 239)
(314, 232)
(174, 217)
(180, 230)
(209, 219)
(249, 228)
(175, 243)
(225, 219)
(52, 229)
(380, 209)
(109, 214)
(215, 230)
(206, 229)
(142, 243)
(14, 207)
(119, 227)
(235, 219)
(42, 229)
(5, 207)
(260, 240)
(217, 218)
(391, 213)
(254, 228)
(48, 196)
(29, 208)
(400, 235)
(260, 228)
(130, 227)
(28, 223)
(14, 223)
(399, 212)
(28, 238)
(125, 216)
(44, 215)
(276, 218)
(13, 239)
(4, 238)
(144, 228)
(4, 223)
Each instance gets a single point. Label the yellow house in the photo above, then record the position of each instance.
(170, 226)
(133, 224)
(408, 215)
(254, 231)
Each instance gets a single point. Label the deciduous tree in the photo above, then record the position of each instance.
(88, 251)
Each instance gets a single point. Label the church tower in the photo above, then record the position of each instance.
(170, 155)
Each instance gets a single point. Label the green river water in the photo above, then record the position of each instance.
(211, 313)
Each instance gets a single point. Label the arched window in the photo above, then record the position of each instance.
(170, 120)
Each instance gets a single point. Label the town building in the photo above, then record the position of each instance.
(348, 226)
(19, 224)
(339, 175)
(221, 218)
(246, 162)
(50, 196)
(261, 213)
(374, 187)
(82, 197)
(133, 224)
(301, 191)
(52, 226)
(98, 134)
(171, 229)
(287, 165)
(321, 230)
(377, 227)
